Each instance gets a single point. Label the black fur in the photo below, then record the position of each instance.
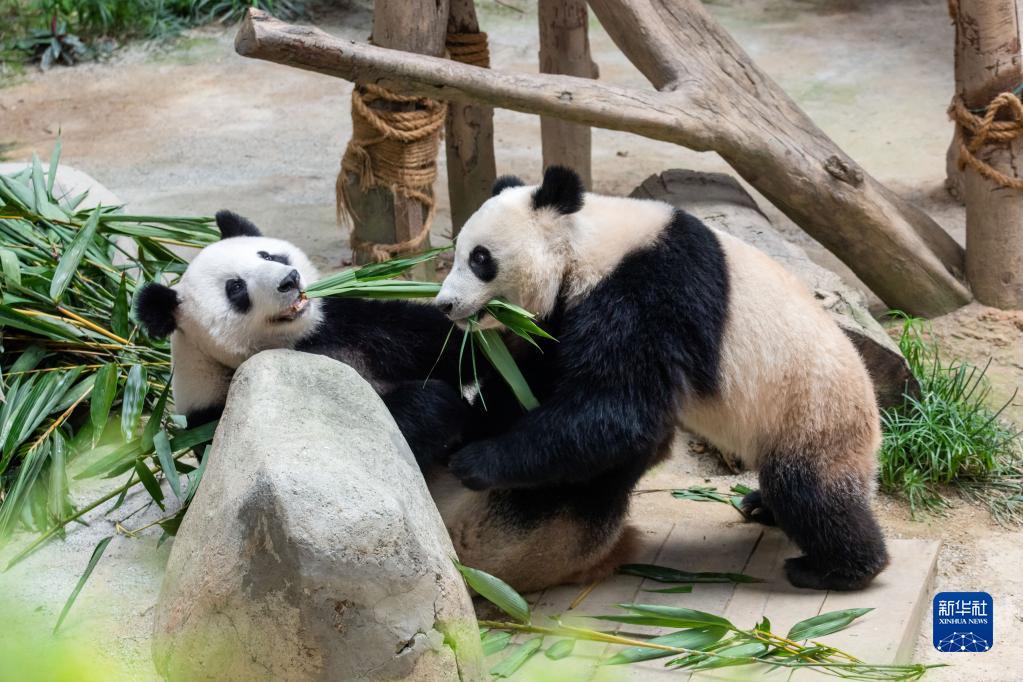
(203, 415)
(233, 225)
(431, 416)
(829, 520)
(237, 292)
(626, 355)
(155, 305)
(504, 182)
(483, 264)
(562, 189)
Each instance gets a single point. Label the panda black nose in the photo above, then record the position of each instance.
(289, 282)
(446, 308)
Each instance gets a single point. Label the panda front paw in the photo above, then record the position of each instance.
(474, 465)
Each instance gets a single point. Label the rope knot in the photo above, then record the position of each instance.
(1001, 123)
(394, 145)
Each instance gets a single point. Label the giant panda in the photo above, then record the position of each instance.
(661, 322)
(243, 294)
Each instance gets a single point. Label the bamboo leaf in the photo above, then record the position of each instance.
(11, 267)
(495, 641)
(665, 574)
(678, 616)
(161, 443)
(119, 318)
(697, 638)
(51, 175)
(515, 660)
(58, 502)
(155, 419)
(678, 589)
(104, 391)
(69, 262)
(825, 624)
(135, 388)
(561, 649)
(496, 591)
(149, 482)
(97, 554)
(733, 655)
(497, 353)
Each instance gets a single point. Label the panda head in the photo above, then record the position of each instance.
(237, 296)
(515, 247)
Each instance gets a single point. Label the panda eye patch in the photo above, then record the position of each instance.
(275, 257)
(238, 294)
(482, 263)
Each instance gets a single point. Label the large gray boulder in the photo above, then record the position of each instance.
(312, 550)
(721, 202)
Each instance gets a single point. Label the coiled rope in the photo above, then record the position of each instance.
(395, 146)
(978, 130)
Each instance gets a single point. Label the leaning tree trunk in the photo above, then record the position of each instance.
(989, 62)
(565, 49)
(469, 138)
(713, 99)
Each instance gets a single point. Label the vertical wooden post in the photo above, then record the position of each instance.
(990, 62)
(565, 49)
(469, 138)
(378, 214)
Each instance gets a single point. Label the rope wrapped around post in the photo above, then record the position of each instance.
(393, 149)
(469, 48)
(978, 130)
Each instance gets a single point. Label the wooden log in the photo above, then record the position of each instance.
(469, 138)
(722, 203)
(892, 246)
(379, 215)
(989, 61)
(565, 49)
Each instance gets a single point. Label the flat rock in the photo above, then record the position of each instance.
(312, 549)
(721, 202)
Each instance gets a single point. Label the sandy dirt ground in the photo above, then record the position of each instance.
(190, 128)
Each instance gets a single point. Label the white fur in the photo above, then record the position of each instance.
(790, 379)
(211, 338)
(536, 251)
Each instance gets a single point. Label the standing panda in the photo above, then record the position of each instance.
(664, 322)
(243, 294)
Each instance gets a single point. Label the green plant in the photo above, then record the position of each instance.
(59, 31)
(692, 640)
(947, 438)
(376, 281)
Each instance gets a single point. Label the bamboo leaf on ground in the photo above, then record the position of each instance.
(69, 262)
(97, 554)
(496, 591)
(825, 624)
(665, 574)
(515, 660)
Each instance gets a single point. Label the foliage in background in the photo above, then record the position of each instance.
(691, 640)
(67, 31)
(948, 439)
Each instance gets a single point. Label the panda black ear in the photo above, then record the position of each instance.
(562, 189)
(155, 305)
(504, 182)
(233, 225)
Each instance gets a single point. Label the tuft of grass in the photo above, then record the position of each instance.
(948, 440)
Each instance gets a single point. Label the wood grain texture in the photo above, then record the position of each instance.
(713, 98)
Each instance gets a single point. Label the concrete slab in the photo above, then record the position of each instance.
(708, 537)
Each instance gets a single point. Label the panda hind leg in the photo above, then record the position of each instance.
(828, 516)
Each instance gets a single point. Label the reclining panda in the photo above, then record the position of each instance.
(663, 322)
(242, 295)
